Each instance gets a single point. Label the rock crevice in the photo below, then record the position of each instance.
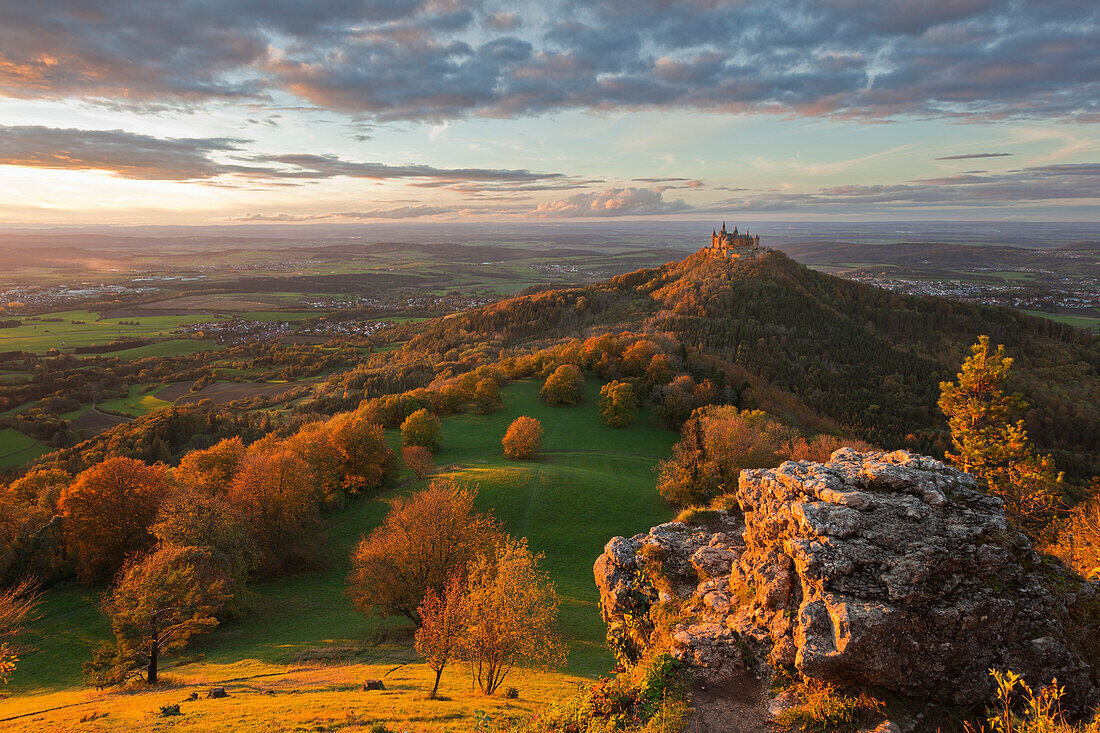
(880, 569)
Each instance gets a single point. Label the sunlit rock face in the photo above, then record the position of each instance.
(878, 569)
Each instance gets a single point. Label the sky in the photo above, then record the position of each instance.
(135, 112)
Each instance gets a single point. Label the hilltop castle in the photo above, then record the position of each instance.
(733, 245)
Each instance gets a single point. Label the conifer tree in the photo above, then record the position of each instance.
(990, 440)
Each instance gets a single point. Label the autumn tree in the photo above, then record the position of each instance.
(41, 487)
(618, 404)
(158, 604)
(565, 386)
(193, 518)
(422, 428)
(442, 624)
(637, 357)
(717, 443)
(418, 459)
(487, 396)
(1078, 538)
(523, 439)
(990, 441)
(511, 610)
(17, 607)
(274, 494)
(211, 469)
(425, 539)
(107, 511)
(361, 444)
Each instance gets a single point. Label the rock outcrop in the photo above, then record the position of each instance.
(880, 569)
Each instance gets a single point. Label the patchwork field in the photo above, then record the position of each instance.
(591, 483)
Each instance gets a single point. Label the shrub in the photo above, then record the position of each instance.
(698, 516)
(422, 428)
(523, 439)
(822, 708)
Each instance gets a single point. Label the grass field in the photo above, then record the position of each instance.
(1087, 322)
(39, 335)
(591, 483)
(167, 347)
(141, 400)
(16, 448)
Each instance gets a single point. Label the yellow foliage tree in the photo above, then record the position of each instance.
(511, 608)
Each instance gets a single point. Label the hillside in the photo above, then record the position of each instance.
(815, 347)
(592, 482)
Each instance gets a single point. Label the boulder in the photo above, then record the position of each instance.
(878, 569)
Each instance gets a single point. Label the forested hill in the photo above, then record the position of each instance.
(868, 359)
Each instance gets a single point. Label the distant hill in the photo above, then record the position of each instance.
(868, 360)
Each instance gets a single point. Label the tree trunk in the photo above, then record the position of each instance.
(438, 674)
(151, 674)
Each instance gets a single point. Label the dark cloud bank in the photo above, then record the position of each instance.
(439, 59)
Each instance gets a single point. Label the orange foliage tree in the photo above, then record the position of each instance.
(442, 624)
(211, 469)
(361, 445)
(564, 387)
(425, 539)
(107, 512)
(275, 495)
(17, 606)
(418, 459)
(511, 610)
(487, 396)
(523, 439)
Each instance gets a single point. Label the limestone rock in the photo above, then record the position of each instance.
(883, 569)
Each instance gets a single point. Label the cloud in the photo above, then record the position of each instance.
(970, 156)
(442, 59)
(610, 202)
(126, 154)
(1067, 182)
(144, 157)
(395, 212)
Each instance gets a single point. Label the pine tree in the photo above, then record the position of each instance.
(991, 442)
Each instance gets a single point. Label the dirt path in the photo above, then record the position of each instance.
(734, 705)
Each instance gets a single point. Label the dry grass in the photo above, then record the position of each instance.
(264, 697)
(822, 707)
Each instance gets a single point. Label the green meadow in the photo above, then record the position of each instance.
(590, 483)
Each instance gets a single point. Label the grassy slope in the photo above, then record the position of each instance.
(17, 449)
(141, 400)
(592, 482)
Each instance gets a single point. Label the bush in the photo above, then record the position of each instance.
(822, 708)
(523, 439)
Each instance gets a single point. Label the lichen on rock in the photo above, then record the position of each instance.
(888, 570)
